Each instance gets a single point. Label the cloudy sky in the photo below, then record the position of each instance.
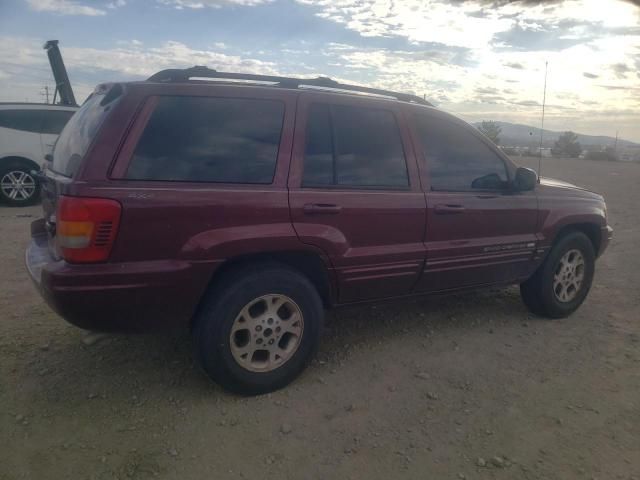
(479, 59)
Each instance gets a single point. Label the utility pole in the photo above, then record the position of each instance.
(615, 145)
(46, 93)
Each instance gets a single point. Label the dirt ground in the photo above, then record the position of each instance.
(466, 387)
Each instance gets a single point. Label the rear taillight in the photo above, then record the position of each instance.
(86, 228)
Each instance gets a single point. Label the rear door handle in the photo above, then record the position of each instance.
(448, 209)
(321, 208)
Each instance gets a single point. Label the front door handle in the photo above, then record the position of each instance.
(448, 209)
(321, 208)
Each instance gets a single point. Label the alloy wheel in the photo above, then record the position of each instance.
(569, 276)
(266, 333)
(18, 185)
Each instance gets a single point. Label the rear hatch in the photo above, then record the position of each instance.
(70, 151)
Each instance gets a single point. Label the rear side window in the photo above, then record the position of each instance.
(353, 146)
(457, 160)
(204, 139)
(78, 133)
(54, 121)
(23, 120)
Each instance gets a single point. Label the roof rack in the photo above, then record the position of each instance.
(184, 75)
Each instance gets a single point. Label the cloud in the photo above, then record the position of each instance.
(419, 21)
(116, 4)
(90, 66)
(528, 103)
(487, 90)
(618, 87)
(472, 57)
(620, 69)
(64, 7)
(198, 4)
(476, 23)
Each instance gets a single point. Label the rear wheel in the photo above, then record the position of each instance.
(256, 333)
(563, 281)
(18, 186)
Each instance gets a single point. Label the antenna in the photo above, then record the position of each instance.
(544, 101)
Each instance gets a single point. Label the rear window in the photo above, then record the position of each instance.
(78, 134)
(208, 139)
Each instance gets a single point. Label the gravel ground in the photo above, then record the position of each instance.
(464, 387)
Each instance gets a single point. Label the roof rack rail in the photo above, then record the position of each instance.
(183, 75)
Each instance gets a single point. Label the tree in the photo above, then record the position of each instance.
(491, 130)
(567, 145)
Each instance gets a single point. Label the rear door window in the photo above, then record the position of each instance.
(457, 160)
(27, 120)
(353, 147)
(209, 139)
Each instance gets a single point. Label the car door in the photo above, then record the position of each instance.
(479, 230)
(22, 126)
(354, 192)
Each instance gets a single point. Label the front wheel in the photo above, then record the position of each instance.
(17, 186)
(563, 281)
(256, 332)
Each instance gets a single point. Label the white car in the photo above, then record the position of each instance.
(28, 132)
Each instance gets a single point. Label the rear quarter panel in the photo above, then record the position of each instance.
(199, 225)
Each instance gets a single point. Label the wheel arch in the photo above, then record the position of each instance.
(590, 229)
(309, 264)
(18, 159)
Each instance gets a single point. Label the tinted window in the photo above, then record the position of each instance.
(200, 139)
(54, 121)
(24, 120)
(77, 135)
(457, 160)
(353, 146)
(318, 153)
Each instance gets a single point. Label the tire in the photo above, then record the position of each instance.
(261, 292)
(18, 187)
(545, 296)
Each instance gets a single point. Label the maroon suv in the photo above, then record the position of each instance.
(241, 206)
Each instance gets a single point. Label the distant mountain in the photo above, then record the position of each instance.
(515, 135)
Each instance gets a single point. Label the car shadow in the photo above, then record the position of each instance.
(162, 366)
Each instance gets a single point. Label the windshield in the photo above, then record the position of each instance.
(77, 135)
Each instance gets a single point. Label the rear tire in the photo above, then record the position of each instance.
(562, 282)
(258, 328)
(18, 187)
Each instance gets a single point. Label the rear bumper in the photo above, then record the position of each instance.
(118, 297)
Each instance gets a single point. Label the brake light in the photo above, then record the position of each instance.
(86, 228)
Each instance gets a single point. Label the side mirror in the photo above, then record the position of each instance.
(48, 157)
(525, 180)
